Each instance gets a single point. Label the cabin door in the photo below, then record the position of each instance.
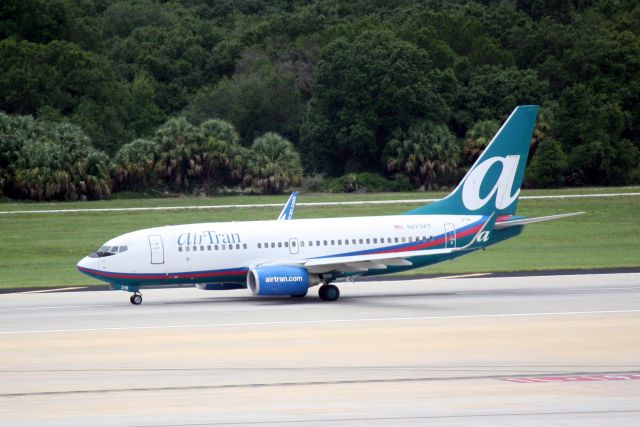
(449, 236)
(157, 249)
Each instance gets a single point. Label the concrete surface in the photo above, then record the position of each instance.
(436, 352)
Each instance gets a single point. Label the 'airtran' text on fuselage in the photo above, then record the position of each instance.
(208, 238)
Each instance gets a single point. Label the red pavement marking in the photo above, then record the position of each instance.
(575, 378)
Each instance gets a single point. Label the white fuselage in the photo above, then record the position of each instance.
(185, 251)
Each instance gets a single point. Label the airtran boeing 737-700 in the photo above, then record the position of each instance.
(286, 258)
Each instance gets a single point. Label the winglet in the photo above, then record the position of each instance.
(289, 207)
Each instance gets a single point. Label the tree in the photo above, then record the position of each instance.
(203, 158)
(477, 139)
(51, 161)
(258, 98)
(223, 159)
(366, 88)
(177, 143)
(60, 80)
(426, 153)
(273, 164)
(134, 165)
(548, 166)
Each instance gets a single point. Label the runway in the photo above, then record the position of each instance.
(527, 351)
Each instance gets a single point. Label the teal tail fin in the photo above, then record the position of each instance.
(493, 182)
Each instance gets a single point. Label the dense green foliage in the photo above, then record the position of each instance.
(385, 87)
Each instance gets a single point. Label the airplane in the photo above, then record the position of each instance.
(286, 258)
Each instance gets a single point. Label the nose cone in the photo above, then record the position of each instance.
(84, 263)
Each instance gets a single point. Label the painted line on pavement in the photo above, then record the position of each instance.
(43, 291)
(463, 276)
(279, 205)
(321, 321)
(574, 378)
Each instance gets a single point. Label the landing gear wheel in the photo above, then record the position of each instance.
(329, 293)
(136, 299)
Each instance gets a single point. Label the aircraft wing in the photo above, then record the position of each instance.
(380, 261)
(362, 263)
(289, 207)
(524, 221)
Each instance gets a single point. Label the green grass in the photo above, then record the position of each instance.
(126, 201)
(42, 249)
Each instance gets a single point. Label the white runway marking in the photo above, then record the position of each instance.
(58, 307)
(463, 276)
(42, 291)
(321, 321)
(279, 205)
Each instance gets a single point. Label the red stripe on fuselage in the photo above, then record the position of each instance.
(186, 275)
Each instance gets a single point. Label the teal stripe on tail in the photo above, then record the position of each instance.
(493, 182)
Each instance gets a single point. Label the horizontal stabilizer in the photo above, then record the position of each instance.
(524, 221)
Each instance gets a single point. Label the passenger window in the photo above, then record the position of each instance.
(258, 245)
(215, 247)
(222, 247)
(286, 244)
(301, 244)
(361, 241)
(202, 248)
(333, 242)
(310, 242)
(388, 239)
(404, 239)
(179, 248)
(195, 248)
(230, 247)
(318, 242)
(186, 248)
(279, 244)
(325, 243)
(353, 241)
(375, 240)
(396, 239)
(244, 246)
(208, 247)
(368, 241)
(273, 244)
(339, 242)
(237, 245)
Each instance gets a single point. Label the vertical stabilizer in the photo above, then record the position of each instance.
(493, 182)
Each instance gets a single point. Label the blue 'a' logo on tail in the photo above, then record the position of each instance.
(493, 182)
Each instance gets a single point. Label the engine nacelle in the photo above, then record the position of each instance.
(280, 280)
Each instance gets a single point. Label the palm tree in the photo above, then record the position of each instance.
(477, 139)
(134, 164)
(273, 164)
(177, 144)
(427, 154)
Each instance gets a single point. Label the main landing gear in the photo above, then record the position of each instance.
(136, 298)
(329, 292)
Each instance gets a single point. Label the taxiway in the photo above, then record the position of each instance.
(438, 352)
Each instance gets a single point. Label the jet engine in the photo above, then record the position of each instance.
(280, 280)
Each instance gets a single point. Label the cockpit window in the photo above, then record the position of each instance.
(108, 251)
